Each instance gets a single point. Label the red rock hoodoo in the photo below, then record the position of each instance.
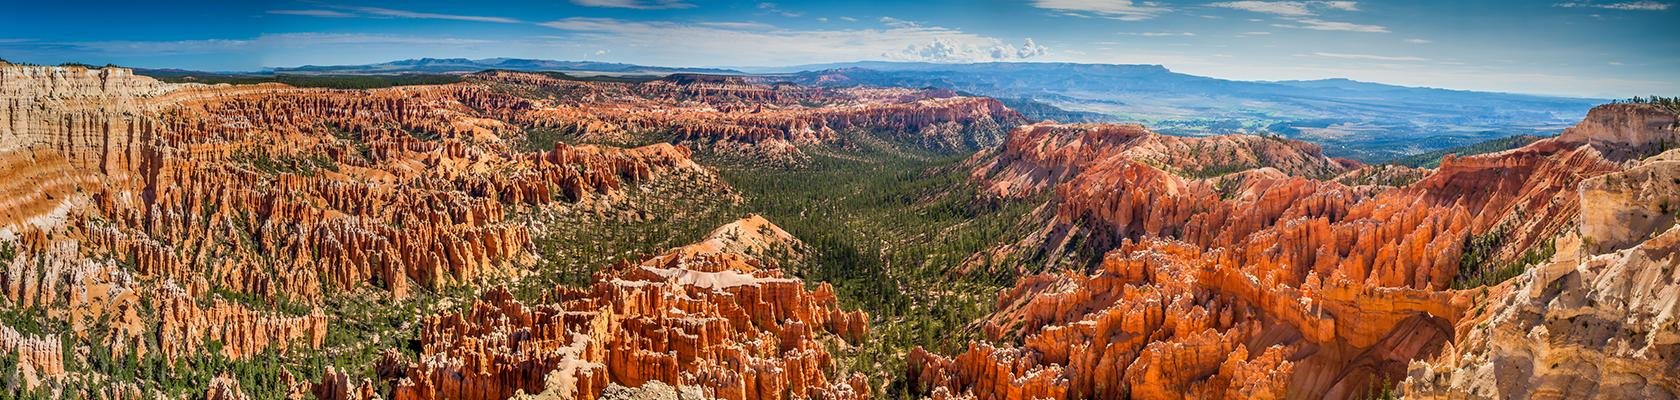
(709, 315)
(1238, 275)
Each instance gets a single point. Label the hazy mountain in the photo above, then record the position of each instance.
(1363, 120)
(1370, 121)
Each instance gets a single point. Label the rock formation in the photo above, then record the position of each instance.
(1263, 283)
(1035, 157)
(710, 316)
(764, 120)
(161, 222)
(1597, 321)
(174, 216)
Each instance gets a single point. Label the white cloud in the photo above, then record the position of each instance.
(1158, 34)
(376, 12)
(771, 45)
(387, 12)
(774, 9)
(1286, 8)
(1368, 57)
(1322, 25)
(1419, 41)
(314, 13)
(956, 51)
(1124, 10)
(1343, 5)
(848, 19)
(634, 4)
(1644, 5)
(897, 23)
(1031, 49)
(1253, 33)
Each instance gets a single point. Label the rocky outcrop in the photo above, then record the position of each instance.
(1165, 320)
(741, 117)
(710, 315)
(38, 357)
(225, 388)
(1627, 131)
(1035, 157)
(181, 218)
(1630, 206)
(1597, 321)
(184, 327)
(1263, 283)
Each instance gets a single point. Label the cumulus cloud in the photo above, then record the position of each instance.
(1419, 41)
(956, 51)
(1124, 10)
(634, 4)
(1645, 5)
(1031, 49)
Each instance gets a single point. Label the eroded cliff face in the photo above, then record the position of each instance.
(1597, 321)
(1265, 283)
(712, 317)
(1036, 157)
(740, 117)
(175, 217)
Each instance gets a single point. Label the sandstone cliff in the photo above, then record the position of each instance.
(1597, 321)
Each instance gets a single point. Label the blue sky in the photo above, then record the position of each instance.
(1597, 48)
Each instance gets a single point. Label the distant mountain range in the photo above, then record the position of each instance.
(1367, 121)
(462, 65)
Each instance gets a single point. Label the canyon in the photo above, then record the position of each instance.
(1262, 283)
(185, 240)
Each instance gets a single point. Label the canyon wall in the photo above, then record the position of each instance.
(741, 117)
(175, 218)
(1261, 281)
(1596, 321)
